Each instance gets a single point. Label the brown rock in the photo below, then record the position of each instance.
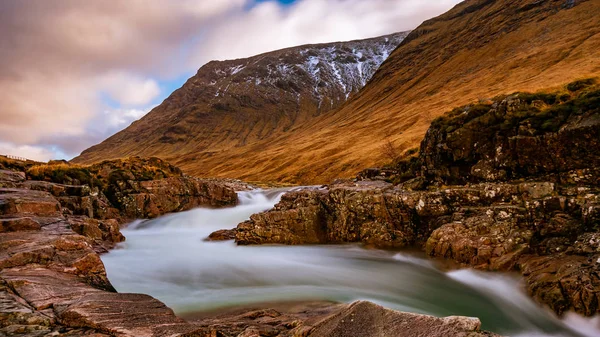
(122, 315)
(222, 235)
(17, 201)
(564, 282)
(18, 224)
(365, 319)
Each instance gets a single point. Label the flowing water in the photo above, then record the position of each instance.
(168, 259)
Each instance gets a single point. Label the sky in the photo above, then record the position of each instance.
(72, 73)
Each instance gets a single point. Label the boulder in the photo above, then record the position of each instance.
(365, 319)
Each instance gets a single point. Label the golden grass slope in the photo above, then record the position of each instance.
(477, 50)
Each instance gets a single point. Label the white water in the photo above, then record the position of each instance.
(168, 259)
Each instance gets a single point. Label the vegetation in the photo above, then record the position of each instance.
(105, 173)
(537, 112)
(14, 165)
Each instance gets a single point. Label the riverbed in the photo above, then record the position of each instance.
(168, 258)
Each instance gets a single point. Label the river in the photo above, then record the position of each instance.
(168, 258)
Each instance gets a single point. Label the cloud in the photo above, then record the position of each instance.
(129, 89)
(269, 26)
(26, 151)
(74, 72)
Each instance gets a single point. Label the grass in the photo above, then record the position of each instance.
(105, 173)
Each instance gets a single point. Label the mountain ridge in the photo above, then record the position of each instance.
(233, 102)
(476, 51)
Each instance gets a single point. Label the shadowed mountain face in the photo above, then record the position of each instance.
(230, 104)
(477, 50)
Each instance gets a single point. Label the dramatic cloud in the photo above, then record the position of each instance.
(74, 72)
(270, 26)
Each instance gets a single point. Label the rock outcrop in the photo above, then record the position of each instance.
(52, 281)
(509, 184)
(128, 189)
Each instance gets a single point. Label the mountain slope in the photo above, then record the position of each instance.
(230, 104)
(477, 50)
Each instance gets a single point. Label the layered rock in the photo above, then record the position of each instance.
(129, 189)
(52, 280)
(508, 184)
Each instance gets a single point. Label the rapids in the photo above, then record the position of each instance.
(168, 259)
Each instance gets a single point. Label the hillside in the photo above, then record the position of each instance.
(230, 104)
(477, 50)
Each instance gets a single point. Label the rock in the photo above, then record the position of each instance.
(11, 178)
(122, 315)
(587, 243)
(483, 239)
(17, 202)
(222, 235)
(149, 199)
(370, 320)
(101, 230)
(18, 224)
(52, 280)
(564, 282)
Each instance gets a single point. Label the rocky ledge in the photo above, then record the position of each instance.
(509, 184)
(53, 282)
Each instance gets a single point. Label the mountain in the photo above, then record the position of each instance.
(230, 104)
(476, 51)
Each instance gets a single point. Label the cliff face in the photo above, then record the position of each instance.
(478, 50)
(510, 184)
(231, 104)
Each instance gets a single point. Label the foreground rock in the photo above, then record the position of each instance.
(365, 319)
(512, 184)
(359, 319)
(52, 281)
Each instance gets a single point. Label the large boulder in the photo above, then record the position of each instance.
(365, 319)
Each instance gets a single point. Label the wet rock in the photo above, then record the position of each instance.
(489, 238)
(222, 235)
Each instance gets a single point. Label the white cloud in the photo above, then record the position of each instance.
(129, 89)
